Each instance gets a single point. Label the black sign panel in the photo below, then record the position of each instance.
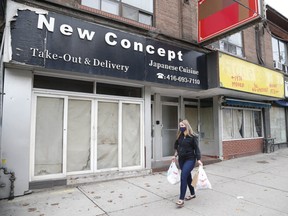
(54, 41)
(182, 67)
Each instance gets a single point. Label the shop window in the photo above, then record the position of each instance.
(63, 84)
(258, 124)
(232, 44)
(280, 59)
(131, 142)
(238, 123)
(118, 90)
(278, 125)
(108, 143)
(252, 124)
(63, 135)
(107, 138)
(49, 136)
(79, 135)
(140, 11)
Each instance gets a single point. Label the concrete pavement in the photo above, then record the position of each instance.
(248, 186)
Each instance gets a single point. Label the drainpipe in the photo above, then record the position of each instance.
(180, 19)
(258, 45)
(12, 179)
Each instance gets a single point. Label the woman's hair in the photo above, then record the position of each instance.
(189, 131)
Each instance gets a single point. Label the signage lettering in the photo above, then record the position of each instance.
(54, 41)
(54, 56)
(244, 76)
(64, 28)
(43, 21)
(110, 39)
(109, 64)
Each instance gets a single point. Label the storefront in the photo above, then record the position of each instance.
(85, 102)
(246, 114)
(279, 118)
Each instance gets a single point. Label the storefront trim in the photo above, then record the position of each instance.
(247, 104)
(282, 103)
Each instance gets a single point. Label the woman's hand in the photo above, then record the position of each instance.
(200, 163)
(175, 156)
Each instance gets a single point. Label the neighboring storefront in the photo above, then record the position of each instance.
(244, 112)
(81, 99)
(279, 118)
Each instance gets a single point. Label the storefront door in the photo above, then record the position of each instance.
(169, 128)
(165, 117)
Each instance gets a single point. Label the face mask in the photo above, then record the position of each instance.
(182, 129)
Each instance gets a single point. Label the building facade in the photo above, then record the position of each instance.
(94, 90)
(277, 26)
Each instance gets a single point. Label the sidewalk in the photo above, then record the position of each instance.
(248, 186)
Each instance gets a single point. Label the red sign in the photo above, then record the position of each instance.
(217, 17)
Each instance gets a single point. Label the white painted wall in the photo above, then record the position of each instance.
(15, 142)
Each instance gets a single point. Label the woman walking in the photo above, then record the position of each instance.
(188, 152)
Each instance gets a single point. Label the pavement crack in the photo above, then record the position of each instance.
(91, 199)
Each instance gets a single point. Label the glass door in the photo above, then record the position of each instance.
(169, 128)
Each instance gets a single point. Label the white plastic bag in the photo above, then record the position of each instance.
(173, 175)
(203, 182)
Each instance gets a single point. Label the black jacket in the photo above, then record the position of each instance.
(187, 147)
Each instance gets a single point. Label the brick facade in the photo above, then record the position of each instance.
(177, 19)
(250, 51)
(249, 40)
(267, 49)
(167, 17)
(238, 148)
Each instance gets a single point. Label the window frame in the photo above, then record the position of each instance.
(244, 111)
(95, 99)
(225, 41)
(279, 51)
(121, 4)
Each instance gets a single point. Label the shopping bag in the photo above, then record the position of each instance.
(195, 178)
(202, 182)
(173, 175)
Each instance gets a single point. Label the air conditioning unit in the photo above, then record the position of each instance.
(277, 65)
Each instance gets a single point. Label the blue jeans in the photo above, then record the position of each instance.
(186, 167)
